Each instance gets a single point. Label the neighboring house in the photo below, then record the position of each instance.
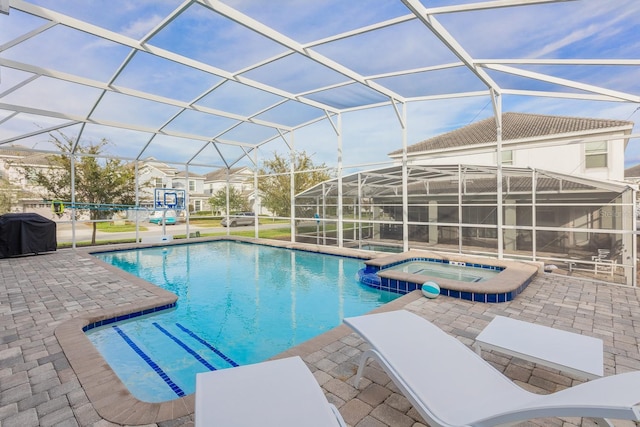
(26, 195)
(570, 145)
(193, 184)
(241, 179)
(157, 175)
(152, 175)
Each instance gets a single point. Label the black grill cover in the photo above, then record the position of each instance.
(26, 233)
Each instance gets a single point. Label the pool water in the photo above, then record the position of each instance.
(461, 273)
(237, 304)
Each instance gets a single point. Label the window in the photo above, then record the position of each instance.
(198, 205)
(507, 157)
(595, 154)
(158, 182)
(31, 177)
(192, 185)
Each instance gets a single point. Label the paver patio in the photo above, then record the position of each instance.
(38, 386)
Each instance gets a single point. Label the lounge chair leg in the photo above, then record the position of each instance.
(603, 422)
(338, 415)
(363, 360)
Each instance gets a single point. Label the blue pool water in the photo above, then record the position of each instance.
(237, 304)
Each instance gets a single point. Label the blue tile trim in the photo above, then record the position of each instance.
(176, 389)
(206, 344)
(185, 347)
(127, 316)
(403, 287)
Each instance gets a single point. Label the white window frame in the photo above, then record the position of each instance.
(594, 152)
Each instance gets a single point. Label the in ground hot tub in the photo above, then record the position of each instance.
(459, 276)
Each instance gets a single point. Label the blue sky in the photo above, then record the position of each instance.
(583, 29)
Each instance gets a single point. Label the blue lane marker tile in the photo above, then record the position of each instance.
(157, 369)
(206, 344)
(185, 347)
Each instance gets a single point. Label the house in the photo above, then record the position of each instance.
(23, 193)
(588, 147)
(155, 175)
(240, 179)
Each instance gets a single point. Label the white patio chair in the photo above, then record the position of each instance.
(278, 393)
(450, 385)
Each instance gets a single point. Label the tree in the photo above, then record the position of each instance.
(8, 194)
(237, 201)
(98, 184)
(275, 186)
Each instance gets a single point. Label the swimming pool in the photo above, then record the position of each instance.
(237, 303)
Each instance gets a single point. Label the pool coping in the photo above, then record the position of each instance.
(106, 392)
(512, 280)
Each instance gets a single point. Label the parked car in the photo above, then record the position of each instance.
(170, 218)
(242, 218)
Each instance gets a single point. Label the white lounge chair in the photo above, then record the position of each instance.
(278, 393)
(450, 385)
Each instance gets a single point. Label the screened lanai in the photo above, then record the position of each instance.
(201, 86)
(548, 217)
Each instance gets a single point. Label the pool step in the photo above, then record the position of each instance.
(173, 339)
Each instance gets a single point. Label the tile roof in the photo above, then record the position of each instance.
(632, 172)
(515, 126)
(183, 174)
(221, 174)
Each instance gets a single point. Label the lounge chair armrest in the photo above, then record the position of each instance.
(616, 397)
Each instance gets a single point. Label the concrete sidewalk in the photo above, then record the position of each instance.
(38, 387)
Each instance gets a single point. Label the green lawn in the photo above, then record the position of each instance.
(110, 227)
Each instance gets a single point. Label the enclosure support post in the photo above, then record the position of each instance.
(534, 238)
(627, 222)
(359, 204)
(460, 190)
(257, 201)
(137, 210)
(227, 202)
(497, 109)
(324, 214)
(339, 171)
(73, 200)
(634, 240)
(402, 118)
(292, 189)
(186, 200)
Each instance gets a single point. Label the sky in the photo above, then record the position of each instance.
(582, 29)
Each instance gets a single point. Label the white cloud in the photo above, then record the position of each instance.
(139, 27)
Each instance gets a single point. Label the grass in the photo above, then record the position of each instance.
(111, 227)
(277, 234)
(215, 222)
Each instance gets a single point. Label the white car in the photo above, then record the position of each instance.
(243, 218)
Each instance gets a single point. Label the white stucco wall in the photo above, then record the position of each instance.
(565, 159)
